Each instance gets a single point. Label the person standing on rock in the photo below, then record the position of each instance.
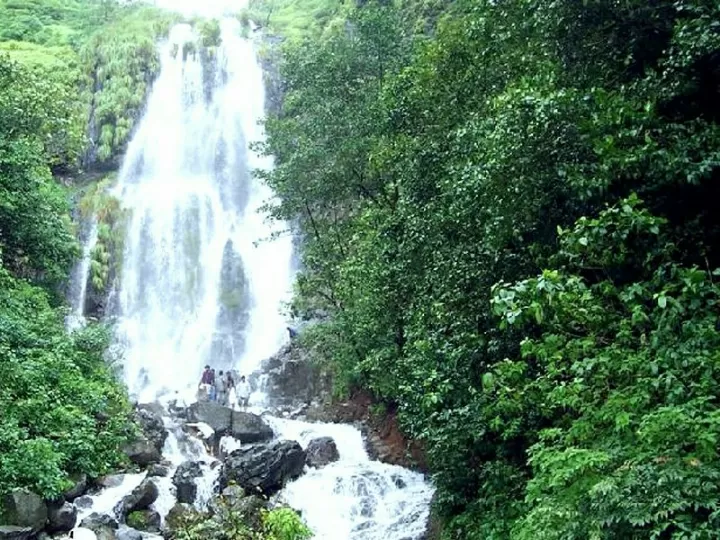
(205, 386)
(221, 389)
(213, 390)
(243, 392)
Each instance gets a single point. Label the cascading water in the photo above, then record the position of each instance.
(355, 498)
(79, 278)
(199, 285)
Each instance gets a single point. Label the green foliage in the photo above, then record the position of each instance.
(35, 123)
(63, 410)
(292, 19)
(209, 31)
(120, 61)
(284, 524)
(228, 522)
(513, 144)
(105, 55)
(106, 256)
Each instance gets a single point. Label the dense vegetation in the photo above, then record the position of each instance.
(105, 56)
(73, 78)
(63, 411)
(509, 213)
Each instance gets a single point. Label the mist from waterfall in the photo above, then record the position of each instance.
(200, 282)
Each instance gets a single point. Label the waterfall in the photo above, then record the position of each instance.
(200, 283)
(81, 273)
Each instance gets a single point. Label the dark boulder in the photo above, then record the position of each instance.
(24, 508)
(142, 452)
(144, 520)
(216, 416)
(12, 532)
(293, 378)
(147, 448)
(139, 499)
(321, 451)
(263, 468)
(250, 428)
(158, 469)
(184, 480)
(80, 485)
(62, 516)
(149, 416)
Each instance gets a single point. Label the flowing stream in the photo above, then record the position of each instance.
(202, 284)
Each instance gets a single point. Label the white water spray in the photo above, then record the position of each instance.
(200, 283)
(355, 498)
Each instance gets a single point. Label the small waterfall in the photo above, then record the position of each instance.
(81, 273)
(355, 498)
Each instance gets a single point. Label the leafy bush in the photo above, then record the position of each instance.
(228, 522)
(285, 524)
(64, 411)
(35, 124)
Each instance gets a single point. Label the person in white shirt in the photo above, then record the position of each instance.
(242, 390)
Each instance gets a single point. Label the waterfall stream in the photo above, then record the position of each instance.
(202, 284)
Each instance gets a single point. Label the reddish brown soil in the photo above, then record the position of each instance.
(386, 441)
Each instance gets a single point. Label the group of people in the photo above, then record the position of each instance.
(218, 388)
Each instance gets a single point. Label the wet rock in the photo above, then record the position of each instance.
(79, 488)
(219, 418)
(23, 508)
(143, 452)
(126, 533)
(321, 451)
(234, 294)
(149, 416)
(148, 447)
(12, 532)
(184, 480)
(158, 469)
(109, 481)
(139, 499)
(83, 502)
(62, 517)
(104, 526)
(144, 520)
(293, 379)
(250, 428)
(263, 468)
(399, 482)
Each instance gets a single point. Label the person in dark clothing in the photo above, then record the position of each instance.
(292, 332)
(206, 385)
(207, 376)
